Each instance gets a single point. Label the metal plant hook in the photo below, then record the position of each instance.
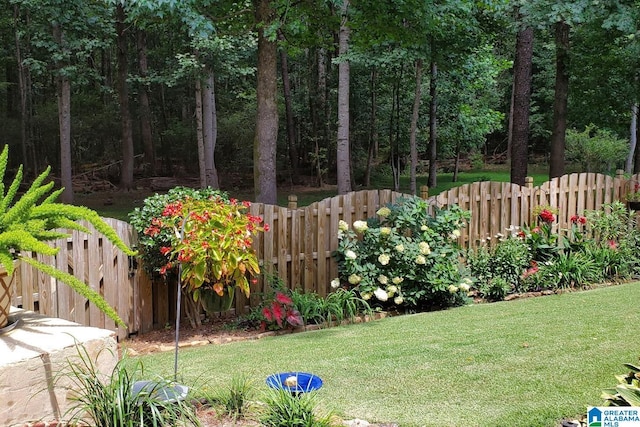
(178, 298)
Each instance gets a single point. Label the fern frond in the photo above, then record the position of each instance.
(78, 286)
(4, 159)
(6, 259)
(22, 240)
(49, 235)
(53, 196)
(23, 206)
(11, 192)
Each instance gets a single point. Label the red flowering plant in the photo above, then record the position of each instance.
(212, 243)
(280, 313)
(541, 238)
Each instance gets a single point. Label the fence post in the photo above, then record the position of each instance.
(293, 201)
(528, 181)
(424, 192)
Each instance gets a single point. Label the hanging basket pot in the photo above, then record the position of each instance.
(214, 303)
(633, 205)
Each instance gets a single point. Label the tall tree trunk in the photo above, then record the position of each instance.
(373, 128)
(24, 86)
(342, 154)
(433, 122)
(266, 136)
(126, 172)
(210, 130)
(288, 104)
(633, 138)
(413, 145)
(145, 109)
(522, 97)
(323, 105)
(556, 160)
(64, 122)
(200, 135)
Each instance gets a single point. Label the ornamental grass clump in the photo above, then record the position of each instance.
(27, 224)
(405, 257)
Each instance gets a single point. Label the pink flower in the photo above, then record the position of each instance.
(546, 216)
(283, 299)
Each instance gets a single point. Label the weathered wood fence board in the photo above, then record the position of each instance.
(297, 249)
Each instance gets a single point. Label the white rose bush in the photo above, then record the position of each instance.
(404, 258)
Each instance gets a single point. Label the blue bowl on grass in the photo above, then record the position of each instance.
(294, 382)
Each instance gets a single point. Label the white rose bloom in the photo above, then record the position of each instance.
(360, 226)
(349, 254)
(384, 259)
(383, 279)
(398, 300)
(400, 248)
(342, 225)
(385, 231)
(420, 259)
(335, 283)
(464, 287)
(424, 228)
(366, 296)
(381, 294)
(397, 280)
(453, 289)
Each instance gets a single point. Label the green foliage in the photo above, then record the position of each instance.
(611, 223)
(111, 402)
(405, 257)
(235, 398)
(597, 150)
(284, 409)
(495, 289)
(35, 218)
(142, 219)
(499, 267)
(627, 392)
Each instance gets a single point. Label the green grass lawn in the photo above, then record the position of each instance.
(527, 362)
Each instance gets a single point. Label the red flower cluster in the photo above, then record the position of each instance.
(578, 219)
(546, 216)
(282, 310)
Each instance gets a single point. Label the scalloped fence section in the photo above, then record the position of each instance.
(297, 249)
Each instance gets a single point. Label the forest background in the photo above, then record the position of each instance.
(267, 93)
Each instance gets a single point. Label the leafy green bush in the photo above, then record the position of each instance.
(498, 269)
(495, 289)
(147, 218)
(404, 257)
(284, 409)
(597, 150)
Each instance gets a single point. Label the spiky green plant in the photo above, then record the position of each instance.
(35, 219)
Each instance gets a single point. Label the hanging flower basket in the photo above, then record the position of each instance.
(214, 303)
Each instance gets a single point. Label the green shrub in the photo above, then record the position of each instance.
(506, 260)
(495, 289)
(597, 150)
(404, 257)
(284, 409)
(147, 217)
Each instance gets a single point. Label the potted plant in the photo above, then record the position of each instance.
(211, 245)
(35, 219)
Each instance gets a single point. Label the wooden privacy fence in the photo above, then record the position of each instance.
(297, 249)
